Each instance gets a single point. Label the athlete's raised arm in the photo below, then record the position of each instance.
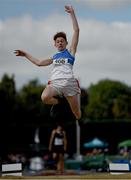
(44, 62)
(75, 37)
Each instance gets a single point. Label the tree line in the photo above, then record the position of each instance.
(107, 100)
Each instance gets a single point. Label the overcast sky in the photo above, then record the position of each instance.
(104, 49)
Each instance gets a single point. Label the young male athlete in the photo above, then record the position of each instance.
(62, 81)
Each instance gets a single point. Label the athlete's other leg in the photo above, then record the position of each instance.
(74, 102)
(48, 95)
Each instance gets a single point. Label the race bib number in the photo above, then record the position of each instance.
(60, 61)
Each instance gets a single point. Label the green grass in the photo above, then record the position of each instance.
(102, 176)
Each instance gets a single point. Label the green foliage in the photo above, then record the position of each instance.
(22, 110)
(105, 101)
(109, 100)
(31, 106)
(7, 97)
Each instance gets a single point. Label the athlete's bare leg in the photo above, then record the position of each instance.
(74, 102)
(48, 95)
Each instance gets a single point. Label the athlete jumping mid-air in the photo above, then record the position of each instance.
(62, 81)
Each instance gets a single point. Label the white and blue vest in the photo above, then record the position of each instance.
(62, 65)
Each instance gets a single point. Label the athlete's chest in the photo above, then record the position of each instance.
(63, 58)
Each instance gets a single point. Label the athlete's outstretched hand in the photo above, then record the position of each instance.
(20, 53)
(69, 9)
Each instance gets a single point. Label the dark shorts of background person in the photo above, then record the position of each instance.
(58, 149)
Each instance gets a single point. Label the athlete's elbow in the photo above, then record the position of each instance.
(39, 63)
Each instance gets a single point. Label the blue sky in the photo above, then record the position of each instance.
(40, 8)
(104, 49)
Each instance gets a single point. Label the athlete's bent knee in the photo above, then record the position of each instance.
(44, 98)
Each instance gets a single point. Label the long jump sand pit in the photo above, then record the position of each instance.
(102, 176)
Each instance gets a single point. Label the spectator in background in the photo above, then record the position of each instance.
(58, 146)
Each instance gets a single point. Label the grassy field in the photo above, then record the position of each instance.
(102, 176)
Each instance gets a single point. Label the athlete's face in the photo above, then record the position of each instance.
(60, 43)
(59, 128)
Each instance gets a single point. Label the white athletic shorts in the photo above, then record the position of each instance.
(66, 87)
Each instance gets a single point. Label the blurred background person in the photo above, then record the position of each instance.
(58, 146)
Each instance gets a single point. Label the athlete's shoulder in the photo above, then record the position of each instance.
(53, 131)
(57, 54)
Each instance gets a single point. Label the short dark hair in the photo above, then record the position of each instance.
(60, 34)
